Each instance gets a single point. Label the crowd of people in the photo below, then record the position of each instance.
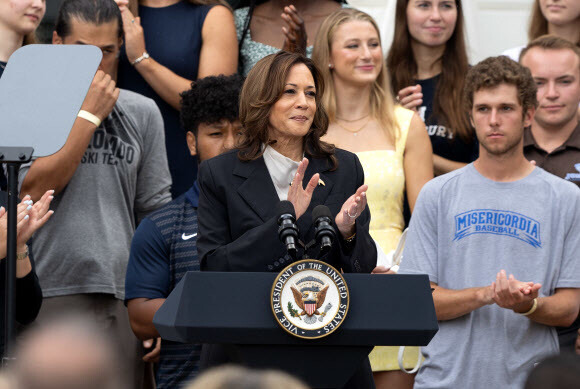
(201, 119)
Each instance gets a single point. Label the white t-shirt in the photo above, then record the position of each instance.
(514, 53)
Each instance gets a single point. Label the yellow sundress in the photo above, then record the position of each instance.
(385, 176)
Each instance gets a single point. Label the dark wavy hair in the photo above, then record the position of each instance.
(210, 100)
(495, 71)
(403, 68)
(263, 87)
(90, 11)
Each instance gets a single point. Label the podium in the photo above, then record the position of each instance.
(234, 309)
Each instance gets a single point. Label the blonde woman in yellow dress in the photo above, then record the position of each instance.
(390, 141)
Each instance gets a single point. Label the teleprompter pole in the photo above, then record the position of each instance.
(10, 281)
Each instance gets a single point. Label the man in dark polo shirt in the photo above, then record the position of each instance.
(164, 246)
(553, 140)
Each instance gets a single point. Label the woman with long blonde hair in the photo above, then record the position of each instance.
(390, 141)
(18, 22)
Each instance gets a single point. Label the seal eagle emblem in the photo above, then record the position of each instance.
(310, 299)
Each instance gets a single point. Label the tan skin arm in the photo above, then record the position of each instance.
(411, 98)
(418, 166)
(443, 165)
(56, 170)
(560, 309)
(141, 312)
(219, 53)
(451, 304)
(417, 160)
(23, 266)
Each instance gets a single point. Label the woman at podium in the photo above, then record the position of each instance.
(281, 157)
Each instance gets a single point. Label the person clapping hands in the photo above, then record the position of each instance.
(31, 216)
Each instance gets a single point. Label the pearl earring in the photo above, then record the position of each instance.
(330, 66)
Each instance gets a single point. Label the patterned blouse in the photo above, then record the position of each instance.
(251, 51)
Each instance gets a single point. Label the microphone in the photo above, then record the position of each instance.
(287, 230)
(323, 230)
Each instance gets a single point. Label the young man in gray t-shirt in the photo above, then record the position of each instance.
(111, 172)
(499, 240)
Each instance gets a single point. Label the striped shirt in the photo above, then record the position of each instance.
(163, 250)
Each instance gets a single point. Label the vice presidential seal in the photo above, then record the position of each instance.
(310, 299)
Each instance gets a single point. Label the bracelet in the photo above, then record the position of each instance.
(532, 309)
(90, 117)
(22, 256)
(143, 56)
(351, 238)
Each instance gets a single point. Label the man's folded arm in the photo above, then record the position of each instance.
(451, 303)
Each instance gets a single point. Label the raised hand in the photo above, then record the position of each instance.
(123, 4)
(410, 97)
(102, 95)
(350, 211)
(29, 218)
(21, 219)
(297, 195)
(295, 39)
(38, 214)
(134, 36)
(512, 294)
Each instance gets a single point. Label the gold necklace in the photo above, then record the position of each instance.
(353, 120)
(354, 132)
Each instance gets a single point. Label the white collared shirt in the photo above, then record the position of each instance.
(282, 170)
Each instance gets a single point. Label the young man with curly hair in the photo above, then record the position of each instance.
(164, 245)
(499, 240)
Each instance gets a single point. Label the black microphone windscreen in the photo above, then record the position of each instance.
(284, 207)
(319, 211)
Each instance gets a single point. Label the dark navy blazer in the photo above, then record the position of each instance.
(238, 229)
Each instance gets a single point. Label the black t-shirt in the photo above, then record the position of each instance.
(443, 140)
